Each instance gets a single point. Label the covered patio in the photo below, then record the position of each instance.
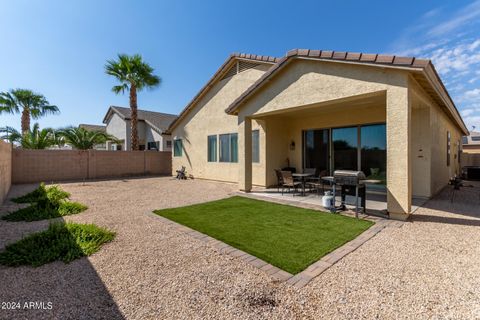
(332, 115)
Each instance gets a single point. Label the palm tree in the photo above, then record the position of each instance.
(83, 139)
(34, 139)
(134, 75)
(9, 134)
(31, 104)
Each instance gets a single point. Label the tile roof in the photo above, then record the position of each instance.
(158, 120)
(93, 127)
(350, 57)
(381, 60)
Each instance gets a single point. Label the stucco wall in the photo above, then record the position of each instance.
(62, 165)
(307, 82)
(116, 126)
(5, 169)
(208, 117)
(440, 172)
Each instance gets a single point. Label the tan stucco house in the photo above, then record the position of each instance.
(386, 115)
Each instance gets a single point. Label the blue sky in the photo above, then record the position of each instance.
(59, 48)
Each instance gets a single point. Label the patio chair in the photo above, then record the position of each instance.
(278, 173)
(288, 182)
(316, 182)
(181, 174)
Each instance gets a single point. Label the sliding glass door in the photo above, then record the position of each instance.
(350, 148)
(316, 149)
(374, 151)
(345, 148)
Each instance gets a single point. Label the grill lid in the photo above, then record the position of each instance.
(349, 173)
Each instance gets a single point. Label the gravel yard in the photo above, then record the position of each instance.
(428, 268)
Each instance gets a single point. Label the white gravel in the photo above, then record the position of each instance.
(428, 268)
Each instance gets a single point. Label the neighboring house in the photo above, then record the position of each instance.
(384, 115)
(151, 129)
(471, 143)
(95, 127)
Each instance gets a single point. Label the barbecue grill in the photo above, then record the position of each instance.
(351, 183)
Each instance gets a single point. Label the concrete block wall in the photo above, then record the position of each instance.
(5, 169)
(63, 165)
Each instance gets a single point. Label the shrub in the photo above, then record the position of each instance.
(60, 242)
(46, 203)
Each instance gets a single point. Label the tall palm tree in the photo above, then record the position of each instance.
(35, 139)
(83, 139)
(31, 104)
(134, 75)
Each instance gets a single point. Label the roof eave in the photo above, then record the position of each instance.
(216, 76)
(425, 68)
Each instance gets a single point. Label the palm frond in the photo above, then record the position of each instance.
(83, 139)
(131, 70)
(10, 134)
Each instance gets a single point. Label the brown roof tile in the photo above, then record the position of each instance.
(314, 53)
(368, 57)
(403, 61)
(353, 56)
(383, 58)
(303, 52)
(326, 54)
(420, 63)
(339, 55)
(292, 52)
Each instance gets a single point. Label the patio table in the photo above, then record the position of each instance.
(303, 177)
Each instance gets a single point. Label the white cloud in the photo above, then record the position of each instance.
(460, 19)
(467, 112)
(472, 94)
(451, 39)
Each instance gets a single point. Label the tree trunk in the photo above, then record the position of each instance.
(25, 121)
(134, 119)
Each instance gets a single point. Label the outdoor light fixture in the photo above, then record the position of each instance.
(292, 145)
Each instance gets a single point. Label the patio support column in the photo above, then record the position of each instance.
(399, 163)
(245, 154)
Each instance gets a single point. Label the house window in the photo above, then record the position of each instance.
(255, 146)
(153, 145)
(177, 147)
(476, 138)
(212, 148)
(169, 143)
(229, 147)
(448, 148)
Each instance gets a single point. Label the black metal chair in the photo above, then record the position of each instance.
(278, 173)
(288, 182)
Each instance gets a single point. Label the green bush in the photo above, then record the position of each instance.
(46, 203)
(60, 242)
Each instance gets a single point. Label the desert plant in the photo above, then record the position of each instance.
(32, 106)
(45, 203)
(60, 242)
(134, 75)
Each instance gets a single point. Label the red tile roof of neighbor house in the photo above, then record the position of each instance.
(378, 60)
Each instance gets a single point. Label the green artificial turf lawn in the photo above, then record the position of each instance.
(61, 241)
(288, 237)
